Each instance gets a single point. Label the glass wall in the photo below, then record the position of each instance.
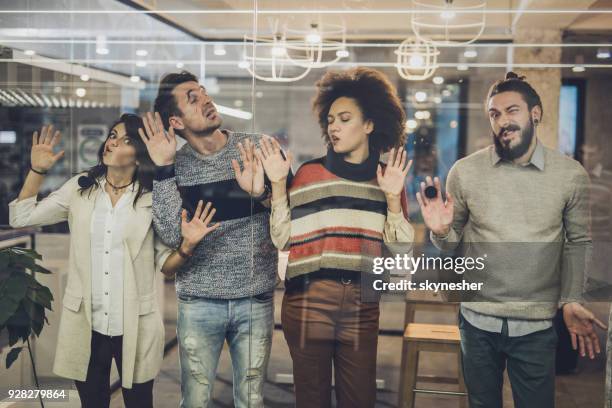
(80, 65)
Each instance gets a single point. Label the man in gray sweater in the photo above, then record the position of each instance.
(225, 288)
(526, 207)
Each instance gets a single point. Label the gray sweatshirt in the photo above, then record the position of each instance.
(533, 223)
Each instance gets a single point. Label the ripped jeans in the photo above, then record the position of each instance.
(204, 325)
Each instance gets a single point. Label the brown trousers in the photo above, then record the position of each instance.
(325, 323)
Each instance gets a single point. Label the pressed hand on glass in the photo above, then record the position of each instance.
(437, 213)
(42, 157)
(251, 177)
(579, 321)
(276, 166)
(196, 229)
(392, 180)
(161, 145)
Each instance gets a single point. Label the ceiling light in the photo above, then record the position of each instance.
(470, 53)
(57, 89)
(238, 103)
(342, 53)
(446, 92)
(578, 68)
(180, 65)
(259, 94)
(134, 78)
(142, 53)
(80, 92)
(243, 64)
(416, 60)
(420, 96)
(453, 124)
(84, 77)
(603, 53)
(437, 100)
(141, 64)
(313, 37)
(279, 50)
(411, 124)
(462, 67)
(102, 51)
(422, 115)
(29, 52)
(219, 50)
(438, 80)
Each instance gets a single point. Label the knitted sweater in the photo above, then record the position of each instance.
(337, 219)
(236, 260)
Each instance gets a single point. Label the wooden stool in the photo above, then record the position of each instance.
(440, 338)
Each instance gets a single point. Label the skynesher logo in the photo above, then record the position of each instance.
(411, 264)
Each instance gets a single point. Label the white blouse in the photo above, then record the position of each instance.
(107, 227)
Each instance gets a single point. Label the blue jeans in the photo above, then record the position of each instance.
(204, 325)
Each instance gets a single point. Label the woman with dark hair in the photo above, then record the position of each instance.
(337, 215)
(110, 303)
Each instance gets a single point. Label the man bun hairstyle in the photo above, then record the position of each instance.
(515, 83)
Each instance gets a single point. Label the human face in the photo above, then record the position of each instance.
(118, 148)
(348, 131)
(512, 124)
(591, 156)
(198, 113)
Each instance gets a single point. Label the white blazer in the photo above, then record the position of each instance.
(143, 330)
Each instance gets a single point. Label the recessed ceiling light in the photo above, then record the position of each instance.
(84, 77)
(141, 64)
(470, 53)
(578, 68)
(29, 52)
(438, 80)
(80, 92)
(243, 64)
(219, 50)
(142, 53)
(462, 67)
(180, 65)
(412, 124)
(453, 124)
(102, 51)
(134, 78)
(437, 100)
(342, 53)
(603, 53)
(420, 96)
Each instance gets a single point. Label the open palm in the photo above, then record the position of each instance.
(393, 179)
(276, 166)
(195, 230)
(437, 214)
(42, 157)
(251, 177)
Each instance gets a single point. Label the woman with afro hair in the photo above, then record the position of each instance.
(334, 218)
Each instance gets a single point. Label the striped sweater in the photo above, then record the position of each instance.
(337, 218)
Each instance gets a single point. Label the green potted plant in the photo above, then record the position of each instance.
(23, 301)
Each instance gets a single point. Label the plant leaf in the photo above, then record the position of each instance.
(12, 356)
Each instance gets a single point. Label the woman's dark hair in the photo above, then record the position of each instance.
(375, 96)
(145, 169)
(165, 102)
(514, 83)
